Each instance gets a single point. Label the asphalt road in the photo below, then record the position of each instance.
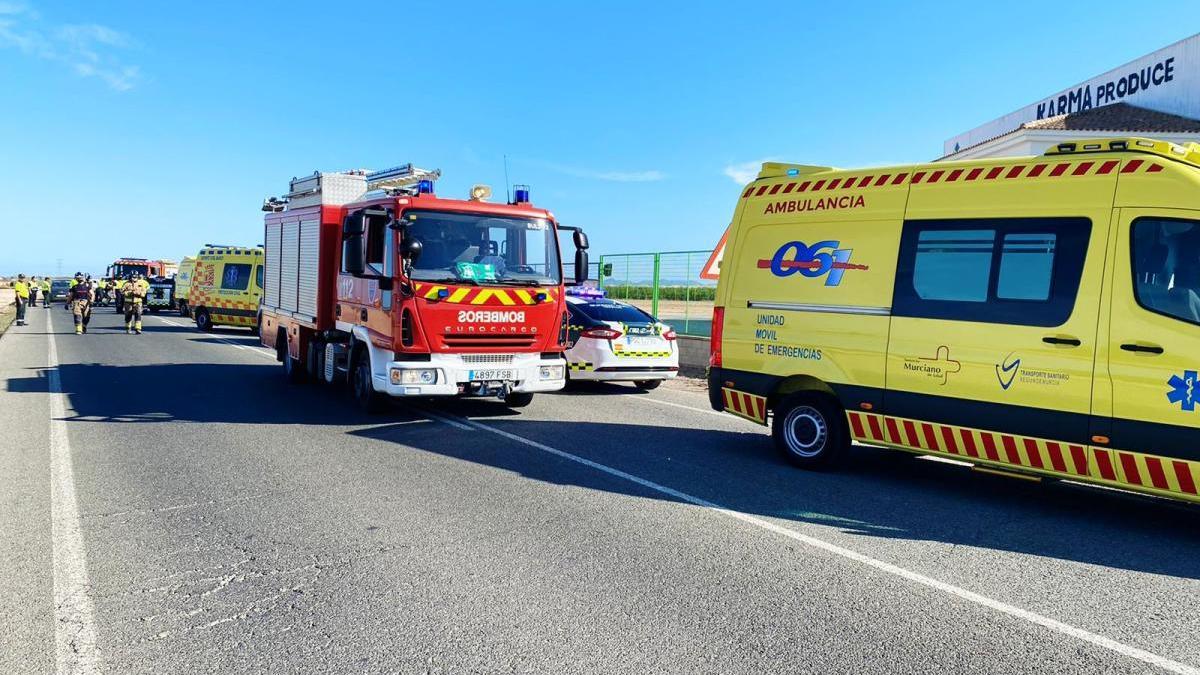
(168, 503)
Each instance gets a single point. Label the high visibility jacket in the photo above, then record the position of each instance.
(22, 289)
(45, 286)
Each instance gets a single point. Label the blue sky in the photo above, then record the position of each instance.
(148, 129)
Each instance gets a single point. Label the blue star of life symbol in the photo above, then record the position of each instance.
(1183, 390)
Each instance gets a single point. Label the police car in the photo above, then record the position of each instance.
(615, 341)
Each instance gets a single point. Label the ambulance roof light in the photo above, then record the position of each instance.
(1066, 147)
(1119, 145)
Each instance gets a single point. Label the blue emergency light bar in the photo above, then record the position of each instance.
(520, 194)
(585, 292)
(425, 187)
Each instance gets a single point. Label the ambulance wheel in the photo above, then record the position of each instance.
(518, 400)
(183, 310)
(364, 393)
(203, 320)
(810, 431)
(647, 385)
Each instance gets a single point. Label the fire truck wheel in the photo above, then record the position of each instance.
(647, 385)
(364, 394)
(809, 430)
(293, 368)
(203, 320)
(518, 400)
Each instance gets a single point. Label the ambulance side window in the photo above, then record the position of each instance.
(258, 275)
(1020, 271)
(1166, 267)
(236, 277)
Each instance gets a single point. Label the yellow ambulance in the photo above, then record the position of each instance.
(183, 284)
(1030, 315)
(226, 287)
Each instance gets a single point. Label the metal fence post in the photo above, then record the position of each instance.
(654, 293)
(600, 274)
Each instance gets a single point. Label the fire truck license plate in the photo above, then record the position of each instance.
(491, 374)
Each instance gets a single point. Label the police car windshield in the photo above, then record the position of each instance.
(483, 248)
(613, 311)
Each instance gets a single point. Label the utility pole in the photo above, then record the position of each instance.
(59, 273)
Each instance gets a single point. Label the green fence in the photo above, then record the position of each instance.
(668, 285)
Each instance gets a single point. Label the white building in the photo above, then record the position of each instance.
(1157, 95)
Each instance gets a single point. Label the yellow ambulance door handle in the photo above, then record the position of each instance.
(1062, 340)
(1142, 348)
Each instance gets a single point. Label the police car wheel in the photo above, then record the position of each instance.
(518, 400)
(364, 394)
(647, 385)
(204, 321)
(809, 432)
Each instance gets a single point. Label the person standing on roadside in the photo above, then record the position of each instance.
(22, 288)
(34, 287)
(45, 291)
(82, 296)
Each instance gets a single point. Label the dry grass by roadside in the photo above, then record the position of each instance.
(7, 314)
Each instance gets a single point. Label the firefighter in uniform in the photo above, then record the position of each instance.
(81, 297)
(134, 293)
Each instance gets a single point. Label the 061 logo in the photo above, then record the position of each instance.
(820, 259)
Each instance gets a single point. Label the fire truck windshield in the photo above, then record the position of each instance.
(482, 248)
(121, 270)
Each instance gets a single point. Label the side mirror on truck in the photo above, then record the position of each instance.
(410, 249)
(581, 262)
(581, 240)
(354, 231)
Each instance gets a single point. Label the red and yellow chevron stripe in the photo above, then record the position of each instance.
(742, 404)
(1041, 169)
(494, 297)
(1133, 470)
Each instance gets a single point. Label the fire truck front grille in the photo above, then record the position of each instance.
(489, 341)
(488, 359)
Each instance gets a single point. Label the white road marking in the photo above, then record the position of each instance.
(646, 399)
(74, 615)
(885, 567)
(253, 350)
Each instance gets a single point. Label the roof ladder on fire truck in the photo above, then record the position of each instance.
(402, 178)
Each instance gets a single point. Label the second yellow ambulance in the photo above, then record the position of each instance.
(1034, 315)
(226, 287)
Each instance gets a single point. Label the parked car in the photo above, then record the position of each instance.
(615, 341)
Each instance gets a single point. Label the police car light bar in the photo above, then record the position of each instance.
(585, 292)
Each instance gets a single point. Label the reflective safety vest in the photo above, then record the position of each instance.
(22, 289)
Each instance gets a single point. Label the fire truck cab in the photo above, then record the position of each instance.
(373, 280)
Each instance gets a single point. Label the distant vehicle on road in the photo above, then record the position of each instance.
(226, 287)
(372, 278)
(183, 285)
(59, 288)
(151, 270)
(1030, 315)
(617, 342)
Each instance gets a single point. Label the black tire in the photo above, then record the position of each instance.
(203, 320)
(518, 400)
(183, 309)
(293, 369)
(647, 385)
(369, 400)
(809, 430)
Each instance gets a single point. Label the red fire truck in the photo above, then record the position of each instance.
(373, 280)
